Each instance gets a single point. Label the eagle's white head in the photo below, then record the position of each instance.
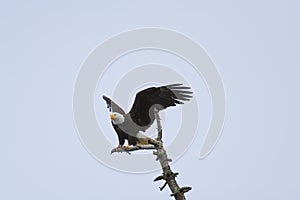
(117, 118)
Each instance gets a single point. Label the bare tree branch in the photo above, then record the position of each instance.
(132, 148)
(159, 128)
(168, 175)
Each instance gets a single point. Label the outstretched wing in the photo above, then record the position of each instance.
(142, 111)
(112, 106)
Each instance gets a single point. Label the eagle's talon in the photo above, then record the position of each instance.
(126, 148)
(116, 149)
(120, 149)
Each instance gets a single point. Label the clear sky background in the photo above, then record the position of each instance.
(255, 45)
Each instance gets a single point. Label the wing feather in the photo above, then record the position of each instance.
(142, 111)
(112, 106)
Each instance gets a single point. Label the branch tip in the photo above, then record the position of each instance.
(161, 177)
(163, 187)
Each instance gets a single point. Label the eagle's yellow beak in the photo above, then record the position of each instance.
(112, 116)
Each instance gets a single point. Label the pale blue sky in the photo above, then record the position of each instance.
(255, 45)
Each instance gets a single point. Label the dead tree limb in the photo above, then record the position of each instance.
(168, 175)
(159, 128)
(132, 148)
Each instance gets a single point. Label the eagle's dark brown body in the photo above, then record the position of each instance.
(141, 115)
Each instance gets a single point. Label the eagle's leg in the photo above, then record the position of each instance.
(120, 149)
(142, 141)
(126, 147)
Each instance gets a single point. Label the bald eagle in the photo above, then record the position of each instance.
(129, 126)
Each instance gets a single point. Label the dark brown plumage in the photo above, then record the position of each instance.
(141, 115)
